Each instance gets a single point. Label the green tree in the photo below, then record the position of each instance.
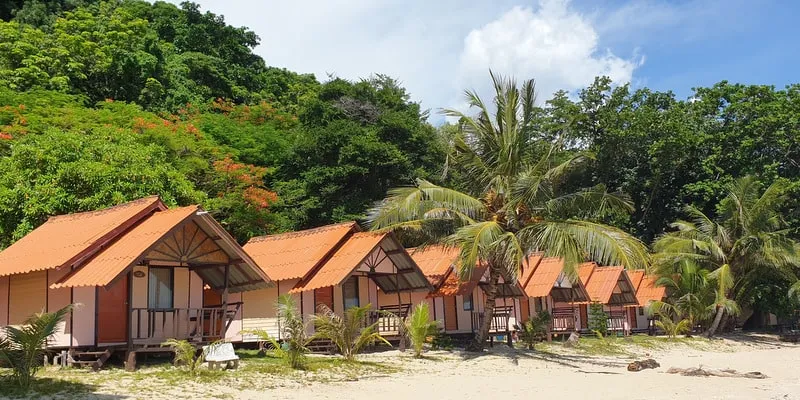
(520, 204)
(748, 239)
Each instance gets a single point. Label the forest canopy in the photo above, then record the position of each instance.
(105, 101)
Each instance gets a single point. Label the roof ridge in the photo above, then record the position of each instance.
(101, 211)
(304, 232)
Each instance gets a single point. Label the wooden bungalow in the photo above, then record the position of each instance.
(646, 293)
(135, 273)
(611, 287)
(335, 265)
(459, 305)
(549, 289)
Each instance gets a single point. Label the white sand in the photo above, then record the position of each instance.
(514, 374)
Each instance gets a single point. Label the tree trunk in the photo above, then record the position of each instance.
(488, 309)
(714, 325)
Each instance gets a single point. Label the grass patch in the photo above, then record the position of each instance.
(627, 346)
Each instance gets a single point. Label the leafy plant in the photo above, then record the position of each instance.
(349, 333)
(598, 319)
(672, 328)
(420, 328)
(293, 333)
(23, 348)
(185, 353)
(442, 341)
(534, 329)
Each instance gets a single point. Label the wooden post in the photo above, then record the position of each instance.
(401, 322)
(221, 318)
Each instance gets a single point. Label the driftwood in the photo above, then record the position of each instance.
(644, 364)
(724, 373)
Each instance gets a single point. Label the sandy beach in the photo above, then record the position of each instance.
(553, 371)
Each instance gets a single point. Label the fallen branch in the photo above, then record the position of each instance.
(724, 373)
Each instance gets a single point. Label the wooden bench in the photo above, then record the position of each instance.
(222, 353)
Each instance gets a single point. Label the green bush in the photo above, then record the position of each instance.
(598, 319)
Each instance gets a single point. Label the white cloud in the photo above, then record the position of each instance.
(436, 48)
(553, 44)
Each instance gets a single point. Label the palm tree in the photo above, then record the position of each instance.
(747, 240)
(518, 201)
(23, 347)
(419, 327)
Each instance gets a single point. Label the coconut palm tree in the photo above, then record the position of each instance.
(748, 239)
(517, 200)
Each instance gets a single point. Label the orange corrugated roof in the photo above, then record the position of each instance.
(544, 277)
(648, 291)
(636, 277)
(293, 255)
(65, 239)
(452, 286)
(601, 282)
(528, 267)
(118, 256)
(342, 263)
(435, 261)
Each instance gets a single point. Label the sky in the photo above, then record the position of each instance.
(439, 48)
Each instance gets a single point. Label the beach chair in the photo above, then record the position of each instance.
(222, 353)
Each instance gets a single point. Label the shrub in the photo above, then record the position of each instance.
(293, 332)
(672, 328)
(534, 330)
(23, 348)
(350, 333)
(185, 354)
(598, 319)
(419, 328)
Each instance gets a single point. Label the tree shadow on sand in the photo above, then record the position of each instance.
(568, 360)
(52, 389)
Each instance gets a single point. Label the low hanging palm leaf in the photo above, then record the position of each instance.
(23, 347)
(419, 327)
(671, 328)
(350, 333)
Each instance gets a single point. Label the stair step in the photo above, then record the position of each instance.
(83, 362)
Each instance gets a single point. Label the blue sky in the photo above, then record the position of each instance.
(438, 48)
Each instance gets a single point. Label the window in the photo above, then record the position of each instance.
(641, 310)
(160, 288)
(468, 302)
(350, 292)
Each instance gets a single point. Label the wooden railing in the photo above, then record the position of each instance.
(616, 320)
(563, 320)
(206, 324)
(500, 319)
(389, 318)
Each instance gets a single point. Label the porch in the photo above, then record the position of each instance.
(199, 325)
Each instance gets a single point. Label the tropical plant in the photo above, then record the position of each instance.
(349, 333)
(185, 353)
(690, 294)
(23, 347)
(293, 333)
(597, 319)
(534, 329)
(516, 200)
(672, 328)
(748, 239)
(419, 327)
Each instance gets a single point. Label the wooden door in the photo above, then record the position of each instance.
(323, 296)
(211, 298)
(632, 317)
(524, 309)
(450, 313)
(113, 312)
(584, 312)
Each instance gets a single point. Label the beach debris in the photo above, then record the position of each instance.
(644, 364)
(573, 339)
(724, 373)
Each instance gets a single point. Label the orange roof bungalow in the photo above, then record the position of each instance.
(459, 305)
(337, 266)
(611, 287)
(549, 289)
(646, 293)
(135, 271)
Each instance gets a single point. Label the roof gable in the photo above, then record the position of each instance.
(608, 285)
(436, 262)
(647, 291)
(294, 255)
(68, 239)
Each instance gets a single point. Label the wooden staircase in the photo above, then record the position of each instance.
(322, 346)
(95, 359)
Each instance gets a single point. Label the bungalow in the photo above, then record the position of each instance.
(459, 305)
(611, 287)
(549, 289)
(135, 273)
(337, 266)
(646, 293)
